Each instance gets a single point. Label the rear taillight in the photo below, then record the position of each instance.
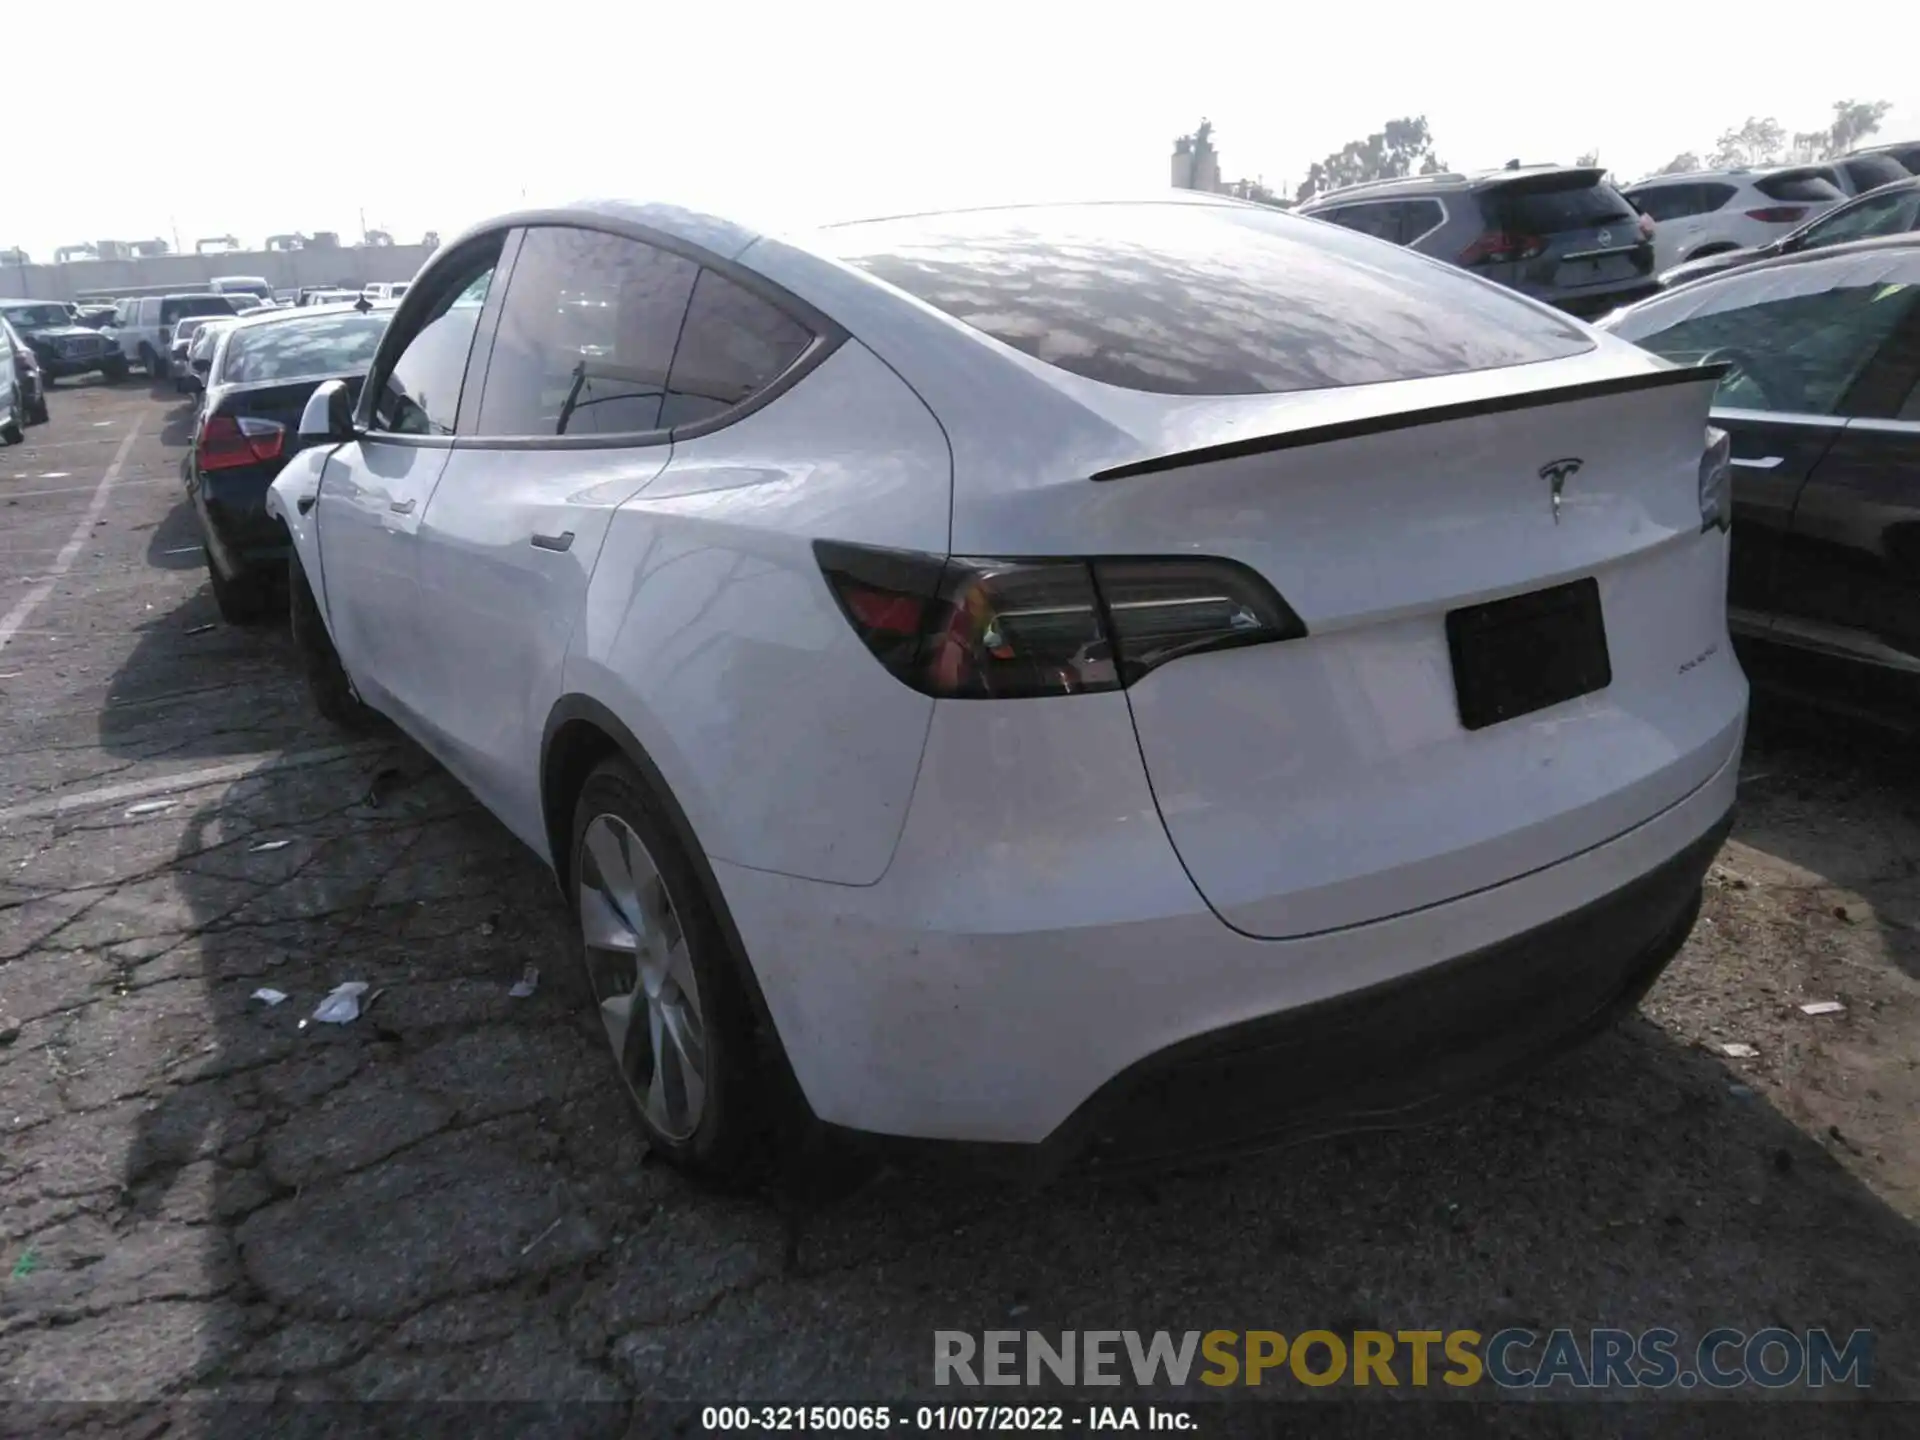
(988, 629)
(1716, 481)
(1777, 214)
(226, 441)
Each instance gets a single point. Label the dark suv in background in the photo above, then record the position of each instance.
(1558, 233)
(62, 347)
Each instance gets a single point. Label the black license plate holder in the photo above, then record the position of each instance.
(1515, 656)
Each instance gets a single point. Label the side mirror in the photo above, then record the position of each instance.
(328, 418)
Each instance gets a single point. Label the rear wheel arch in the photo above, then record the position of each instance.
(579, 735)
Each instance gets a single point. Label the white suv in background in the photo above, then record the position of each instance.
(1708, 211)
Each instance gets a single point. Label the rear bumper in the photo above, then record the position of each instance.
(242, 537)
(1036, 969)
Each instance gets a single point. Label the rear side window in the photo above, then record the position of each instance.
(1675, 202)
(586, 335)
(1185, 299)
(299, 349)
(734, 344)
(1532, 208)
(1379, 219)
(1800, 186)
(1869, 172)
(1417, 217)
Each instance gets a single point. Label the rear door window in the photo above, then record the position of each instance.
(1195, 299)
(1677, 202)
(586, 335)
(1869, 172)
(1417, 217)
(1803, 187)
(1378, 218)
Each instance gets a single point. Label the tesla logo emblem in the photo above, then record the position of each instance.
(1556, 473)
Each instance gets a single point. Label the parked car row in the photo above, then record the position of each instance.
(1566, 235)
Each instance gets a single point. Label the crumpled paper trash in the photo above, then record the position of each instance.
(342, 1005)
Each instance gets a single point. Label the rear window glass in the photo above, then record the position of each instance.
(1535, 210)
(1183, 299)
(172, 310)
(34, 317)
(1671, 202)
(294, 349)
(1805, 188)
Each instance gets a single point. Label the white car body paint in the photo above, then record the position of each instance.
(968, 915)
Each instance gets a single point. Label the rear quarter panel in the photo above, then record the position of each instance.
(710, 631)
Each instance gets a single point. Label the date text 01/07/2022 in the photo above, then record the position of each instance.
(977, 1419)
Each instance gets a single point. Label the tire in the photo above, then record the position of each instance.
(242, 601)
(37, 412)
(13, 429)
(150, 362)
(720, 1136)
(327, 680)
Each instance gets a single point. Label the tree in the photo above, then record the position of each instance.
(1681, 164)
(1853, 121)
(1755, 143)
(1402, 147)
(1588, 160)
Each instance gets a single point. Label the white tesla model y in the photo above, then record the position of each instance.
(1149, 675)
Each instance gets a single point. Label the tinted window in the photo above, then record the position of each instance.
(1796, 341)
(1183, 299)
(1868, 172)
(733, 344)
(171, 310)
(35, 317)
(586, 335)
(1798, 186)
(1674, 202)
(420, 394)
(1417, 217)
(1535, 208)
(1888, 213)
(340, 344)
(1381, 219)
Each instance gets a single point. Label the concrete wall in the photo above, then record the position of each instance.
(350, 266)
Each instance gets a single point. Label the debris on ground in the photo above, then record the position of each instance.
(269, 996)
(265, 845)
(1823, 1007)
(528, 982)
(200, 629)
(541, 1236)
(1739, 1050)
(384, 783)
(342, 1006)
(150, 807)
(28, 1262)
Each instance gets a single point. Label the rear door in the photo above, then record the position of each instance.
(374, 490)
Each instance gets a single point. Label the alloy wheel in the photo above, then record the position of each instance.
(641, 970)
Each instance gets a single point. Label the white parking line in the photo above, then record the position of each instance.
(183, 780)
(82, 489)
(30, 602)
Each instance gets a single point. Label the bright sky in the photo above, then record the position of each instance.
(269, 116)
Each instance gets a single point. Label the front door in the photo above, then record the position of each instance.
(374, 491)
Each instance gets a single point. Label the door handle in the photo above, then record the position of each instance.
(1763, 462)
(563, 541)
(401, 507)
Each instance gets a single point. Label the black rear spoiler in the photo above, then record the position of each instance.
(1412, 419)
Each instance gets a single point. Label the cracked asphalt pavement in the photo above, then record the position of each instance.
(201, 1196)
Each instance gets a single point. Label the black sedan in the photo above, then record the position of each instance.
(61, 347)
(1822, 402)
(1893, 209)
(263, 369)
